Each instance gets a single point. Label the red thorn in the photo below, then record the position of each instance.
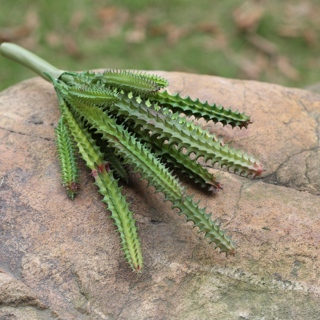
(245, 124)
(94, 173)
(258, 169)
(104, 167)
(100, 168)
(137, 269)
(232, 252)
(107, 167)
(216, 187)
(73, 186)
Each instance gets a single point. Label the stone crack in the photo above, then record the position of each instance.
(25, 134)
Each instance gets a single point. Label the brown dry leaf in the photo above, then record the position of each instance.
(299, 11)
(289, 31)
(32, 19)
(53, 39)
(76, 19)
(220, 38)
(311, 37)
(139, 32)
(301, 21)
(218, 43)
(113, 20)
(158, 30)
(14, 33)
(208, 27)
(175, 34)
(141, 21)
(107, 13)
(248, 16)
(286, 68)
(136, 36)
(251, 69)
(262, 61)
(172, 33)
(22, 31)
(71, 46)
(263, 44)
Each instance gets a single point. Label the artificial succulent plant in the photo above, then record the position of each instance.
(120, 118)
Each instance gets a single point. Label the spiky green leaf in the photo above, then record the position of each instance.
(200, 109)
(128, 81)
(108, 187)
(151, 169)
(67, 158)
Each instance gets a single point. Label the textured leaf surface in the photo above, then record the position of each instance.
(128, 81)
(201, 109)
(108, 187)
(67, 157)
(151, 169)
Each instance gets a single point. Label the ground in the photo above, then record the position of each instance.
(272, 41)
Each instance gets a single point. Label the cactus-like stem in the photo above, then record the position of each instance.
(140, 84)
(200, 109)
(68, 162)
(121, 118)
(109, 189)
(116, 164)
(177, 130)
(151, 169)
(181, 161)
(122, 216)
(30, 60)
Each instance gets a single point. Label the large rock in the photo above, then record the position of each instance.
(62, 260)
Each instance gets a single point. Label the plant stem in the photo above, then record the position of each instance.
(30, 60)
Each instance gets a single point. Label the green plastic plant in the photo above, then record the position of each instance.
(122, 118)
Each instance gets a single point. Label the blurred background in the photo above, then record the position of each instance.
(272, 41)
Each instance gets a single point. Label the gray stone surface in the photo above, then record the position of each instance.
(62, 260)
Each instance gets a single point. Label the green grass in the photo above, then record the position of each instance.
(164, 35)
